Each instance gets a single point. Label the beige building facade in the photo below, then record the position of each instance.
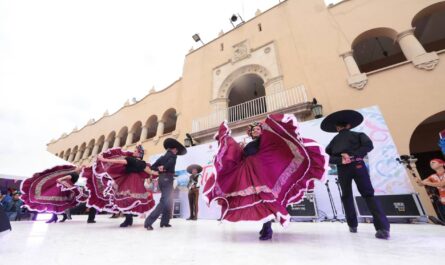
(351, 55)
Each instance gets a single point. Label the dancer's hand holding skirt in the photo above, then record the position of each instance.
(114, 189)
(260, 186)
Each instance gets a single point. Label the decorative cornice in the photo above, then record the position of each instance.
(358, 81)
(427, 61)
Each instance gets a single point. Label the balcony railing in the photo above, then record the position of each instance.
(266, 104)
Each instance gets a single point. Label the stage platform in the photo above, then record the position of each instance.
(211, 242)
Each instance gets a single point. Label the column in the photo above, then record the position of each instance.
(106, 145)
(86, 152)
(414, 51)
(95, 149)
(144, 133)
(129, 138)
(356, 79)
(71, 157)
(77, 158)
(117, 140)
(160, 130)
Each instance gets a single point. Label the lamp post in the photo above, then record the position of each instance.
(234, 19)
(188, 141)
(196, 38)
(317, 109)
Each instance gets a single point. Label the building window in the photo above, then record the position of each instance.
(152, 126)
(377, 48)
(75, 150)
(221, 47)
(67, 154)
(123, 134)
(100, 144)
(111, 139)
(169, 119)
(429, 26)
(136, 130)
(247, 97)
(260, 28)
(82, 150)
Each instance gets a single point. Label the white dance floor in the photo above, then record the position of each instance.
(210, 242)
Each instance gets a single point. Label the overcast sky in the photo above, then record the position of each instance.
(64, 62)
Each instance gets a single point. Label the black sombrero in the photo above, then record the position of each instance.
(351, 117)
(172, 143)
(193, 166)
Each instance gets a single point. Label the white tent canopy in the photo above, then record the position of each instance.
(22, 166)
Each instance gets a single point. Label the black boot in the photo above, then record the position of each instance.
(64, 218)
(91, 216)
(353, 229)
(382, 234)
(128, 221)
(53, 219)
(263, 229)
(267, 233)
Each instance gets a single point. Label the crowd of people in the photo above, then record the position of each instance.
(12, 204)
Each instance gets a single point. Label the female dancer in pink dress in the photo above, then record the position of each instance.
(53, 190)
(275, 169)
(116, 183)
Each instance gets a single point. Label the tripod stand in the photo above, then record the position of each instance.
(339, 192)
(334, 209)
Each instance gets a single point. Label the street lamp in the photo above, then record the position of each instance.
(234, 18)
(196, 38)
(317, 109)
(188, 141)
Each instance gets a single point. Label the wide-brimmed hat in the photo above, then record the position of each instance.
(351, 117)
(173, 143)
(193, 166)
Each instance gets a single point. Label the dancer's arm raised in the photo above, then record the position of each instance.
(114, 161)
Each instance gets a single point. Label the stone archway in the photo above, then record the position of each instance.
(272, 83)
(255, 69)
(246, 97)
(428, 27)
(424, 146)
(424, 141)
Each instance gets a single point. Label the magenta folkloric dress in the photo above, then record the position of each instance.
(42, 192)
(116, 187)
(260, 186)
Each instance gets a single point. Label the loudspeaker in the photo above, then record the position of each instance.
(394, 206)
(304, 210)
